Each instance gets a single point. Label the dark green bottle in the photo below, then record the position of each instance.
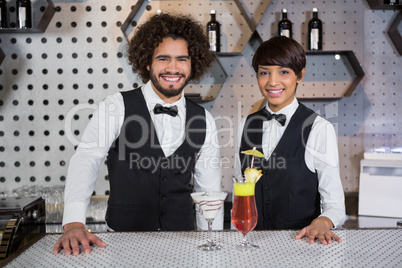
(3, 14)
(24, 14)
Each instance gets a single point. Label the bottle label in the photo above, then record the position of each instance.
(22, 16)
(314, 38)
(212, 40)
(285, 32)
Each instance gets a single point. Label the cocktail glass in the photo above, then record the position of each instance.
(209, 204)
(244, 210)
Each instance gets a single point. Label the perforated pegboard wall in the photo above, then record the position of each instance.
(51, 79)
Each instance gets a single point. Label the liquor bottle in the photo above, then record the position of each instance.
(214, 33)
(3, 14)
(285, 25)
(315, 32)
(391, 2)
(24, 14)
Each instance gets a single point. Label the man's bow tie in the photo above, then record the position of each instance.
(281, 118)
(159, 109)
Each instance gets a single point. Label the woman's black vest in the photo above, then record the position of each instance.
(149, 191)
(287, 194)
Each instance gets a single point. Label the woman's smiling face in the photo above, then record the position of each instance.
(278, 85)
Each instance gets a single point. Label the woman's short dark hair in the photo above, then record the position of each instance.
(282, 51)
(177, 26)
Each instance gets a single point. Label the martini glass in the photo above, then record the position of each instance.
(209, 204)
(244, 210)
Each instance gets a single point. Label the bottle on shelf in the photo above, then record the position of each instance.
(285, 25)
(391, 2)
(214, 33)
(315, 32)
(3, 14)
(24, 14)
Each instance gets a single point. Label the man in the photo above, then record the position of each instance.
(156, 141)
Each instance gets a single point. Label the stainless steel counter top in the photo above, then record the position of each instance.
(359, 248)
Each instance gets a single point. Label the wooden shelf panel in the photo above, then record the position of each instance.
(394, 33)
(330, 74)
(379, 5)
(47, 9)
(2, 56)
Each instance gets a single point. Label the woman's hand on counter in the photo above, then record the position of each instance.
(320, 229)
(74, 235)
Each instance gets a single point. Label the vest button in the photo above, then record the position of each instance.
(164, 197)
(159, 229)
(162, 214)
(267, 218)
(267, 202)
(164, 179)
(267, 187)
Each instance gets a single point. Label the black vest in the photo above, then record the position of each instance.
(149, 191)
(287, 194)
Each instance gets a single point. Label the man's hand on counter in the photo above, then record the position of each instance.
(74, 235)
(320, 229)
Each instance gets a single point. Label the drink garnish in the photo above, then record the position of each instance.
(252, 174)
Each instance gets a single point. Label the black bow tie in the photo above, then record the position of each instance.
(159, 109)
(281, 118)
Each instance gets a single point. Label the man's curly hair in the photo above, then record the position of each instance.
(177, 26)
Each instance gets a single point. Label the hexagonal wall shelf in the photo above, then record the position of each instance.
(2, 56)
(395, 34)
(330, 74)
(238, 23)
(40, 21)
(379, 5)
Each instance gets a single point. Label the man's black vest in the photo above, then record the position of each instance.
(287, 194)
(149, 191)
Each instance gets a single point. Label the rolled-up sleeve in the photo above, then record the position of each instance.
(207, 172)
(322, 157)
(100, 133)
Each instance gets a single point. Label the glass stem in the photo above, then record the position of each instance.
(209, 232)
(244, 242)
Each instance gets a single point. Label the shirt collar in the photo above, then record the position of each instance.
(288, 110)
(151, 99)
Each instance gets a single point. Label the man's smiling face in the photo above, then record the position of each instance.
(170, 69)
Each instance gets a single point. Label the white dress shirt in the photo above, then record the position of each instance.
(103, 130)
(321, 156)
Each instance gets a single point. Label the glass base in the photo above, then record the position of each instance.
(210, 247)
(246, 247)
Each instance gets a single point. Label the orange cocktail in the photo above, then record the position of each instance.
(244, 210)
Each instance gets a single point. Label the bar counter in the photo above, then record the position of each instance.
(359, 248)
